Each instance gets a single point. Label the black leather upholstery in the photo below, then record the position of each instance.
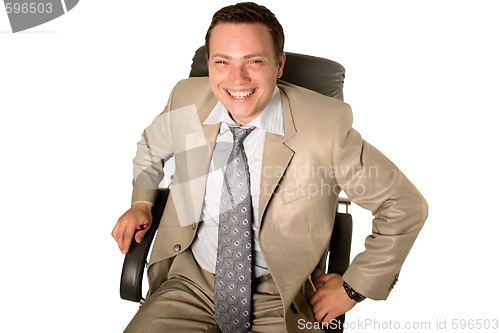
(340, 244)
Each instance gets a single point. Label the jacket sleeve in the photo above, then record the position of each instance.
(153, 150)
(372, 181)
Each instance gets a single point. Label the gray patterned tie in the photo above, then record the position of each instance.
(233, 271)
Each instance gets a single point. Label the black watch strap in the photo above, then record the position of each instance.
(353, 294)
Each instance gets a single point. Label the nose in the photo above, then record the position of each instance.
(239, 75)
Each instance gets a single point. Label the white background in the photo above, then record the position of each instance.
(76, 93)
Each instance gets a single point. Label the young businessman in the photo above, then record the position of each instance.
(295, 139)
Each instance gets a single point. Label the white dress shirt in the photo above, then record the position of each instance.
(270, 120)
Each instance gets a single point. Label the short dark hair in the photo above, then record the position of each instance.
(249, 12)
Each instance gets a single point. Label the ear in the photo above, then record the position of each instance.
(281, 65)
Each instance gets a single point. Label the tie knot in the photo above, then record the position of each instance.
(239, 134)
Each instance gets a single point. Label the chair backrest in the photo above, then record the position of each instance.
(318, 74)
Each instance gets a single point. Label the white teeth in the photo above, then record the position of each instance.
(240, 94)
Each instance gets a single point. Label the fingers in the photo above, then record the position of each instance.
(139, 235)
(330, 300)
(123, 232)
(138, 216)
(325, 312)
(319, 304)
(128, 234)
(319, 311)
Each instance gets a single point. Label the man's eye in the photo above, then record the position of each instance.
(222, 62)
(255, 61)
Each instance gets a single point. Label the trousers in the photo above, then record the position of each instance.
(185, 302)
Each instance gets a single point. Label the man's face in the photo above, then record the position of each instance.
(243, 69)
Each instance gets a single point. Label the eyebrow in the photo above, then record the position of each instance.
(248, 56)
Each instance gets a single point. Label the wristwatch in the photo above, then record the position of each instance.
(353, 294)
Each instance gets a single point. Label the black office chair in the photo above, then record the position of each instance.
(318, 74)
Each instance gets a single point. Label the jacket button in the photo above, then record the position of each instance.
(177, 247)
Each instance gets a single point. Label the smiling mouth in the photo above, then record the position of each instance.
(240, 95)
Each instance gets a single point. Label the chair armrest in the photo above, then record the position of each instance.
(135, 259)
(340, 243)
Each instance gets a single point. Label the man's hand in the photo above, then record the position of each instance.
(138, 214)
(331, 299)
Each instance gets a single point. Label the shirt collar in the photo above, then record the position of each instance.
(269, 120)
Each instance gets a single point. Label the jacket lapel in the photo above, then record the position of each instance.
(210, 132)
(193, 162)
(277, 156)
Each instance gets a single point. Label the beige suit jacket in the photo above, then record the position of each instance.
(303, 172)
